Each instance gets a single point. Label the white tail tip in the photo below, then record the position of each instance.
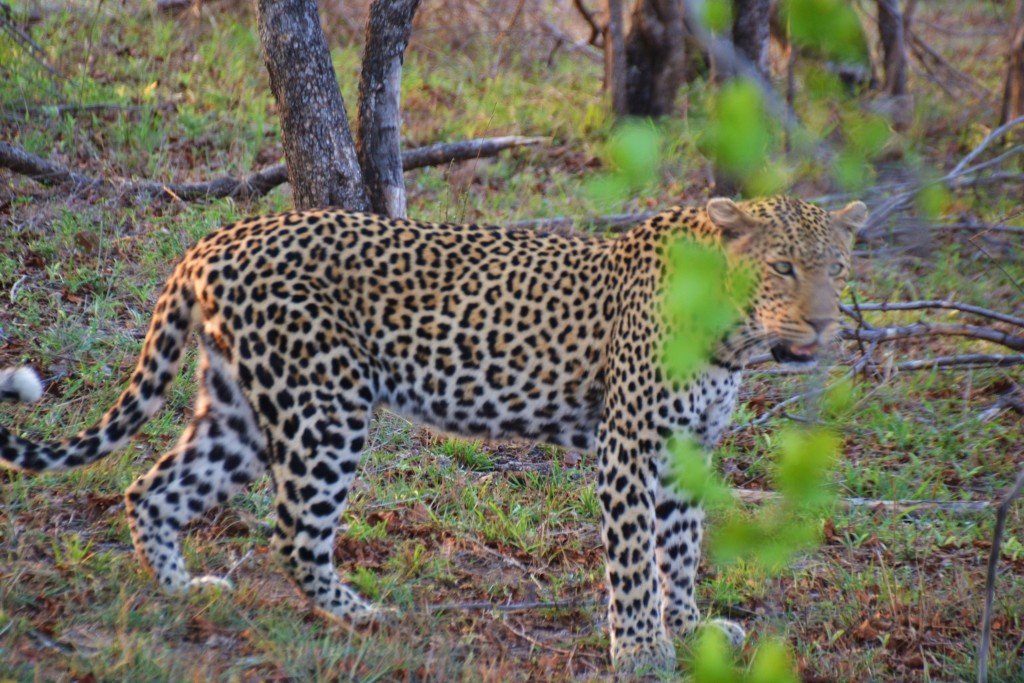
(22, 384)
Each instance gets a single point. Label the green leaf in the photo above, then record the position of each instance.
(772, 664)
(712, 659)
(716, 15)
(805, 466)
(828, 27)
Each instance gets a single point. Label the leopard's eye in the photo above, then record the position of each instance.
(835, 269)
(783, 267)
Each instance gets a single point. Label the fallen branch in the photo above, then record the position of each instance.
(990, 580)
(510, 606)
(609, 221)
(937, 303)
(19, 114)
(926, 329)
(955, 506)
(952, 180)
(965, 361)
(450, 152)
(255, 184)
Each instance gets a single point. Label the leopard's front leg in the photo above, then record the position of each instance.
(625, 487)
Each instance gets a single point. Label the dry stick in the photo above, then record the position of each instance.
(939, 303)
(511, 606)
(610, 221)
(255, 184)
(990, 580)
(955, 506)
(904, 199)
(925, 329)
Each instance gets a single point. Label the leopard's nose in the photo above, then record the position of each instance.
(820, 325)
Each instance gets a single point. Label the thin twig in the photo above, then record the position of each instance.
(990, 580)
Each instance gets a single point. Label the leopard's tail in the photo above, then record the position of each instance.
(161, 355)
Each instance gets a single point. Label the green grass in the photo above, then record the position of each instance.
(436, 520)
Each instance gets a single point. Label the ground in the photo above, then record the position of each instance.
(439, 527)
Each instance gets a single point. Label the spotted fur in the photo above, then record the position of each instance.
(308, 321)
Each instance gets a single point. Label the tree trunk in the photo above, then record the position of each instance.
(655, 57)
(751, 31)
(890, 30)
(318, 147)
(1013, 87)
(380, 155)
(615, 58)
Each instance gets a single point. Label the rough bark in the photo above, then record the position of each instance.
(321, 156)
(751, 31)
(894, 52)
(1013, 86)
(615, 58)
(655, 57)
(380, 118)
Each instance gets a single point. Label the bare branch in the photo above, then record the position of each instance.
(926, 329)
(990, 580)
(936, 303)
(255, 184)
(596, 32)
(954, 506)
(511, 606)
(963, 361)
(448, 152)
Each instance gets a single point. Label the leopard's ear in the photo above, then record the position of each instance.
(851, 217)
(730, 218)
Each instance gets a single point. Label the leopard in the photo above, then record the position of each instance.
(308, 321)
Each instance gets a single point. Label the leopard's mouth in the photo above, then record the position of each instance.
(789, 353)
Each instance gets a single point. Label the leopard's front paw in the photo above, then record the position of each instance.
(735, 633)
(644, 657)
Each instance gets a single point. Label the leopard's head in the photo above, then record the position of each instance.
(801, 254)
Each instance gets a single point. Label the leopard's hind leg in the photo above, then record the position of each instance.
(218, 454)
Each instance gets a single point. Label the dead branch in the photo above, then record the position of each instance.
(963, 361)
(596, 31)
(255, 184)
(925, 52)
(511, 606)
(928, 329)
(61, 109)
(953, 506)
(449, 152)
(17, 35)
(936, 303)
(990, 580)
(954, 179)
(556, 223)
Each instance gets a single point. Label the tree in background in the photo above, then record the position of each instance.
(324, 166)
(321, 156)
